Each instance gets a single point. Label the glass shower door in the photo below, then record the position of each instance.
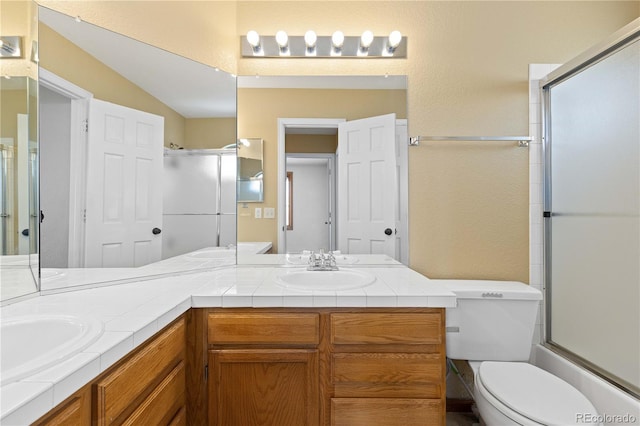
(593, 209)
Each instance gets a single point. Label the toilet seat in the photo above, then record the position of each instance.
(522, 390)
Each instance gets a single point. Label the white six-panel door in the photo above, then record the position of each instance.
(124, 194)
(368, 189)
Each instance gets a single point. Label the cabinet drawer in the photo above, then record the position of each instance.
(387, 328)
(130, 381)
(180, 419)
(397, 375)
(164, 402)
(385, 412)
(264, 328)
(76, 410)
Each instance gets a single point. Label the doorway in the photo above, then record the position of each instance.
(310, 202)
(288, 126)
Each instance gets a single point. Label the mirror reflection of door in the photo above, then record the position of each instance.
(103, 217)
(348, 186)
(369, 192)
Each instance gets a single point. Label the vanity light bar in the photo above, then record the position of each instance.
(311, 45)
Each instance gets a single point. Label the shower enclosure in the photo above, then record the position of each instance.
(592, 210)
(199, 205)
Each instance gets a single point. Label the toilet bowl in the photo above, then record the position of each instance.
(492, 327)
(518, 393)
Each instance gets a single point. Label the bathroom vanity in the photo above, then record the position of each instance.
(203, 348)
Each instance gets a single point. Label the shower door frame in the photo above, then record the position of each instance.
(616, 42)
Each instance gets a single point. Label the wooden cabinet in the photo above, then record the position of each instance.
(245, 367)
(387, 368)
(146, 387)
(263, 368)
(326, 366)
(75, 410)
(264, 387)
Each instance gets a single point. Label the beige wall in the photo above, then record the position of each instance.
(65, 59)
(12, 103)
(258, 113)
(202, 133)
(311, 144)
(467, 67)
(17, 18)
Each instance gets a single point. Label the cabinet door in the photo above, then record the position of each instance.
(263, 387)
(386, 412)
(76, 410)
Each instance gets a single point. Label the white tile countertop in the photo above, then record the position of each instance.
(133, 312)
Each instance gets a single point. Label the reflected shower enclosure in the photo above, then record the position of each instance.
(199, 203)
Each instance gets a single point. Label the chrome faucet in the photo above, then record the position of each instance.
(322, 261)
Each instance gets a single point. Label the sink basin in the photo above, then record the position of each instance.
(212, 253)
(325, 280)
(35, 342)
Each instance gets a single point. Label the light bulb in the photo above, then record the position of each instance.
(253, 38)
(337, 39)
(366, 39)
(282, 39)
(394, 39)
(310, 39)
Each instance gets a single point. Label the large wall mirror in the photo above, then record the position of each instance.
(18, 151)
(335, 167)
(137, 177)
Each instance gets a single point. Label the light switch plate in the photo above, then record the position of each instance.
(269, 213)
(258, 213)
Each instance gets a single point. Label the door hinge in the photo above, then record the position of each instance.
(85, 125)
(206, 373)
(84, 216)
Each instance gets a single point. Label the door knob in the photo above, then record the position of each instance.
(25, 232)
(156, 231)
(388, 231)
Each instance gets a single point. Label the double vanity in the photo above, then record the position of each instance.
(260, 344)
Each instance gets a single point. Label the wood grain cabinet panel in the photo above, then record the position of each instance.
(162, 405)
(267, 387)
(407, 375)
(118, 393)
(74, 411)
(386, 328)
(263, 328)
(180, 419)
(385, 412)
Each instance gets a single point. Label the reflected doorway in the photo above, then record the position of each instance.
(310, 202)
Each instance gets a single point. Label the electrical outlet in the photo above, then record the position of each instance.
(269, 213)
(258, 213)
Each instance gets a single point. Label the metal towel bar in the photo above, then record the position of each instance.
(523, 141)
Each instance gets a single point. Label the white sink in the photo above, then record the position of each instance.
(35, 342)
(212, 253)
(325, 280)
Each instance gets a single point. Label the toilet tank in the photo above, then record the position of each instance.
(493, 320)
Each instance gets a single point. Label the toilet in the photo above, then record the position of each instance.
(492, 328)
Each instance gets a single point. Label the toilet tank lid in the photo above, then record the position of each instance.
(485, 289)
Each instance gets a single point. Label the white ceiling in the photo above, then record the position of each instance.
(192, 89)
